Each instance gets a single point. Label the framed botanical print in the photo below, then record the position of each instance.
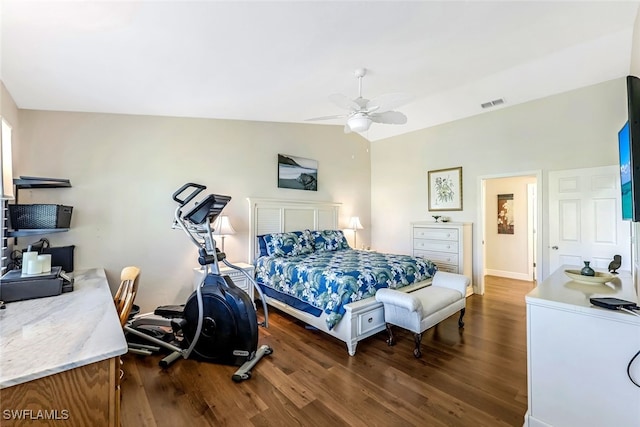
(445, 189)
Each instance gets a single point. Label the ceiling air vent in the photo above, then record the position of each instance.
(492, 103)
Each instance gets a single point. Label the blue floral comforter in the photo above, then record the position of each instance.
(328, 280)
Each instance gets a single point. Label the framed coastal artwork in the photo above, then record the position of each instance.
(445, 189)
(297, 173)
(505, 214)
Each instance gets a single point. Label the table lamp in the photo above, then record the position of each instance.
(222, 227)
(355, 225)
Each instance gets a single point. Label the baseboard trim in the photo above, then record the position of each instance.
(508, 274)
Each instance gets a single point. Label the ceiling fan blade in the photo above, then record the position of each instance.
(387, 102)
(389, 117)
(343, 102)
(313, 119)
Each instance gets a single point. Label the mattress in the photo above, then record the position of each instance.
(325, 281)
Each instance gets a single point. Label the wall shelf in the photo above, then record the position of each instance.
(25, 182)
(34, 232)
(29, 182)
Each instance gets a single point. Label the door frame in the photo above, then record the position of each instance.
(532, 206)
(482, 216)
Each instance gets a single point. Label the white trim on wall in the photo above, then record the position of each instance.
(532, 232)
(507, 274)
(480, 246)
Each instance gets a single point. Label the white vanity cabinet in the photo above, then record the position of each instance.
(578, 355)
(447, 244)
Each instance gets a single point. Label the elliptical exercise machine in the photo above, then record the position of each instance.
(218, 323)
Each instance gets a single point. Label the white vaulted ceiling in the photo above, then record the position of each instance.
(280, 60)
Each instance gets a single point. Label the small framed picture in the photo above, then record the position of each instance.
(505, 213)
(445, 189)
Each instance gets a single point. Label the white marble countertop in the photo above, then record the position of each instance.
(559, 291)
(45, 336)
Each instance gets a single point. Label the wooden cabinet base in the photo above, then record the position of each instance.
(84, 396)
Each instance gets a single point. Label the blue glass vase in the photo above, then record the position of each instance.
(586, 270)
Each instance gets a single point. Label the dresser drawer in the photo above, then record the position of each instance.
(444, 261)
(240, 281)
(435, 233)
(436, 245)
(447, 267)
(370, 320)
(438, 257)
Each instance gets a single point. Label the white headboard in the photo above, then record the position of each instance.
(279, 216)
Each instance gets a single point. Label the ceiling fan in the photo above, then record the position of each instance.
(363, 112)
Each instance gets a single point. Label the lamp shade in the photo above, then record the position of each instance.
(359, 123)
(354, 223)
(222, 226)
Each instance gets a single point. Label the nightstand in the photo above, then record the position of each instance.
(238, 278)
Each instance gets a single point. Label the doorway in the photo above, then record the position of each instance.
(508, 228)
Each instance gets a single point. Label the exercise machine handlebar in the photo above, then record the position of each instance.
(198, 188)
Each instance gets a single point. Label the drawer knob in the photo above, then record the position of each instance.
(370, 319)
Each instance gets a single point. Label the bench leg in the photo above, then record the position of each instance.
(460, 322)
(391, 340)
(418, 339)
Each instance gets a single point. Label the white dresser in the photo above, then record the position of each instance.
(447, 244)
(578, 355)
(238, 278)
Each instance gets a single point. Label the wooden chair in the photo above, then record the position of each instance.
(126, 293)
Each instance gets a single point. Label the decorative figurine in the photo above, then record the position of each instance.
(615, 264)
(436, 217)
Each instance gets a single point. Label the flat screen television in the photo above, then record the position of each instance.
(624, 148)
(629, 153)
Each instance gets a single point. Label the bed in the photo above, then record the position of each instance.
(350, 315)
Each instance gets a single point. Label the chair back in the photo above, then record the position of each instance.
(126, 293)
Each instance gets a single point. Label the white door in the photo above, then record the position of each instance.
(585, 222)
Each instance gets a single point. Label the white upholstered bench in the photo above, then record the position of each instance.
(422, 309)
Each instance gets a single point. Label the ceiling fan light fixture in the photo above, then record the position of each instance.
(359, 123)
(362, 111)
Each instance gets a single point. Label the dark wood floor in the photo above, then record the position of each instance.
(476, 376)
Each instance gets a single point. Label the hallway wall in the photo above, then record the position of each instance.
(507, 255)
